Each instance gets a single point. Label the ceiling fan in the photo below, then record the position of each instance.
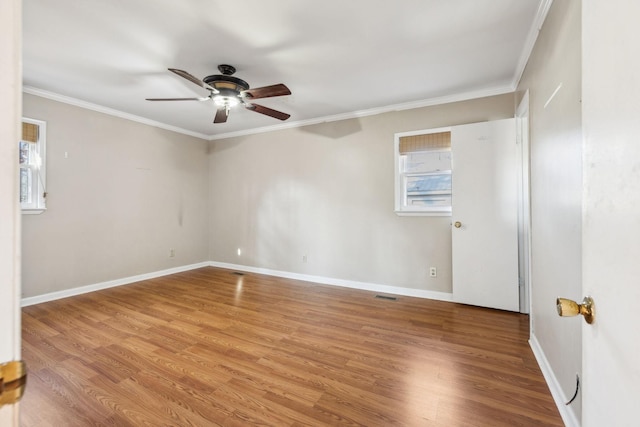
(227, 91)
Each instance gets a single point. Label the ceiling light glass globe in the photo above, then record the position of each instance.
(224, 101)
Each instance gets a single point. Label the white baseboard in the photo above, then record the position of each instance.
(568, 416)
(409, 292)
(419, 293)
(109, 284)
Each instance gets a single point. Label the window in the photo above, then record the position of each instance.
(32, 166)
(423, 172)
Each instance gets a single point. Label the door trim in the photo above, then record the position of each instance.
(524, 204)
(10, 119)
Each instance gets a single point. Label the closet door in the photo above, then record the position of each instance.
(485, 214)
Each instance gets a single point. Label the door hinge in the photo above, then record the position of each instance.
(13, 380)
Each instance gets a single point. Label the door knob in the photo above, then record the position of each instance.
(568, 308)
(13, 380)
(457, 224)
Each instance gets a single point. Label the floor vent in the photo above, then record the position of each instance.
(386, 297)
(237, 273)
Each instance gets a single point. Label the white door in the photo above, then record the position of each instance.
(485, 214)
(611, 225)
(10, 112)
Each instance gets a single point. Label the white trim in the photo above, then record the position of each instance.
(410, 292)
(568, 416)
(536, 26)
(523, 107)
(423, 131)
(499, 90)
(541, 15)
(32, 211)
(524, 205)
(373, 287)
(423, 213)
(109, 284)
(106, 110)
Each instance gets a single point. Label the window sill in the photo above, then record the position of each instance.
(33, 211)
(424, 213)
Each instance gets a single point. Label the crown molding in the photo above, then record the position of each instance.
(465, 96)
(536, 26)
(110, 111)
(498, 90)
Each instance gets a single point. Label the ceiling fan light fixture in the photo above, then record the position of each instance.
(227, 91)
(225, 101)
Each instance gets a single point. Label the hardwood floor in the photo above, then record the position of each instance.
(210, 347)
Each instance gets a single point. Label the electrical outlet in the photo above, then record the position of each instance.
(172, 253)
(433, 272)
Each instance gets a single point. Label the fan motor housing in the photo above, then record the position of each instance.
(227, 85)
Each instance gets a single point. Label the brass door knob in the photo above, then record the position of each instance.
(13, 380)
(569, 308)
(457, 224)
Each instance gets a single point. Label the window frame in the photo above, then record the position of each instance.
(37, 167)
(400, 188)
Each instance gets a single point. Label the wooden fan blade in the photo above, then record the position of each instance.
(221, 115)
(179, 99)
(193, 79)
(268, 111)
(267, 91)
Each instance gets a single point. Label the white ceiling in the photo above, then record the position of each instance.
(339, 58)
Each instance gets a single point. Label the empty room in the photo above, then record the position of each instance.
(282, 213)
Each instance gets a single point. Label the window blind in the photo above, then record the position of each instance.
(425, 142)
(30, 132)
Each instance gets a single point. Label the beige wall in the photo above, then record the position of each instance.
(123, 197)
(126, 193)
(326, 191)
(556, 188)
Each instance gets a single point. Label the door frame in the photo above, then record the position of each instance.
(10, 237)
(524, 204)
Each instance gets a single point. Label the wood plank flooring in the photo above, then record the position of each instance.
(210, 347)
